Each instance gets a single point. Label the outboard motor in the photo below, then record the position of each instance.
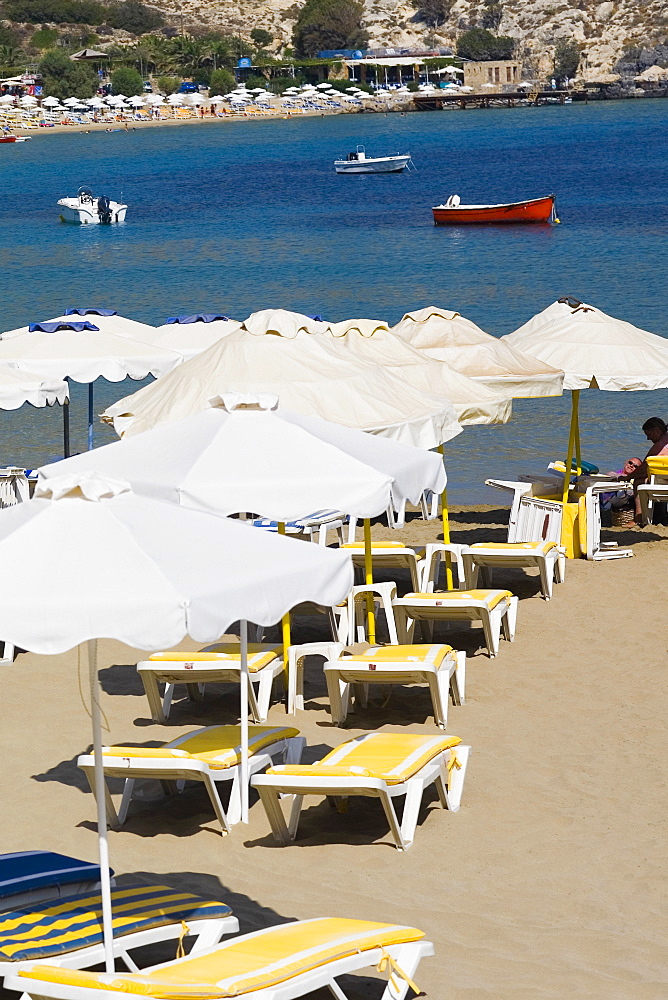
(104, 209)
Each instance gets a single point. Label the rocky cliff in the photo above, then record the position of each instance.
(604, 30)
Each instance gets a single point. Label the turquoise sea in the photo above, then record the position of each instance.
(239, 216)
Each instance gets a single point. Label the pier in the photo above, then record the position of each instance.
(436, 102)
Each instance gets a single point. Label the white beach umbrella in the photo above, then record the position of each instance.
(10, 98)
(71, 101)
(307, 375)
(74, 347)
(281, 322)
(445, 335)
(217, 99)
(28, 101)
(50, 102)
(175, 99)
(155, 99)
(169, 573)
(17, 388)
(322, 86)
(243, 454)
(136, 102)
(595, 351)
(190, 335)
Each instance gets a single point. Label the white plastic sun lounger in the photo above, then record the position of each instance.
(68, 932)
(379, 765)
(278, 963)
(217, 664)
(437, 665)
(209, 755)
(548, 557)
(495, 609)
(389, 555)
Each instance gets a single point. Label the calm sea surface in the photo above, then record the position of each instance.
(247, 215)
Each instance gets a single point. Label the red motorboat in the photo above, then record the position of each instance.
(13, 138)
(455, 214)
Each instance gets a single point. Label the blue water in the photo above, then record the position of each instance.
(243, 215)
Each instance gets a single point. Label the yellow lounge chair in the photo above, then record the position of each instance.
(278, 963)
(217, 664)
(68, 931)
(208, 755)
(495, 609)
(389, 555)
(439, 666)
(481, 558)
(380, 765)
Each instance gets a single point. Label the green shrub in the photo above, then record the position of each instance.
(64, 78)
(56, 11)
(481, 45)
(261, 37)
(126, 80)
(433, 12)
(329, 24)
(168, 84)
(566, 59)
(221, 82)
(134, 17)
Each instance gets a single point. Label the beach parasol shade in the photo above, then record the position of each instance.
(168, 573)
(594, 349)
(447, 336)
(244, 454)
(307, 375)
(190, 335)
(373, 341)
(282, 323)
(17, 388)
(50, 102)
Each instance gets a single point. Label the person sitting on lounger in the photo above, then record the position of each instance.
(656, 431)
(620, 498)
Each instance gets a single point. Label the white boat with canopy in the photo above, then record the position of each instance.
(359, 163)
(87, 210)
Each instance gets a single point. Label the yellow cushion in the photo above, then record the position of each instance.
(657, 465)
(451, 597)
(390, 757)
(217, 746)
(433, 654)
(374, 545)
(543, 547)
(267, 959)
(259, 655)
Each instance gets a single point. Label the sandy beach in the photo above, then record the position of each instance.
(549, 883)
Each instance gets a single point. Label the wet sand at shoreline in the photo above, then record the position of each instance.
(549, 883)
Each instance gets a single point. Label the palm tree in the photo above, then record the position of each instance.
(10, 57)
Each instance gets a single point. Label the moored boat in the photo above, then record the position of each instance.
(14, 138)
(87, 210)
(453, 213)
(359, 163)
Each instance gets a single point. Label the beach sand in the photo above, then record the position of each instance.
(549, 883)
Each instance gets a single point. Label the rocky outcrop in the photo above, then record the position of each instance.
(605, 31)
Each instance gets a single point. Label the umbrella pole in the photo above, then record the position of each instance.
(243, 636)
(66, 424)
(100, 795)
(578, 456)
(449, 584)
(575, 399)
(368, 579)
(90, 416)
(285, 622)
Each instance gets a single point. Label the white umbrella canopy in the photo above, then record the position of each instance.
(192, 334)
(106, 320)
(243, 454)
(168, 573)
(307, 374)
(594, 349)
(50, 102)
(282, 323)
(473, 403)
(28, 101)
(76, 347)
(445, 335)
(17, 388)
(136, 102)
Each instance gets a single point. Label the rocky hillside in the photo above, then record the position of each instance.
(604, 30)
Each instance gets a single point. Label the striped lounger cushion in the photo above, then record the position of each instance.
(217, 746)
(389, 757)
(44, 931)
(451, 598)
(259, 656)
(29, 870)
(252, 963)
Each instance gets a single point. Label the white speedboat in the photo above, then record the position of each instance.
(86, 210)
(359, 163)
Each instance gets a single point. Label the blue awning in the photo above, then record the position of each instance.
(53, 327)
(91, 312)
(196, 318)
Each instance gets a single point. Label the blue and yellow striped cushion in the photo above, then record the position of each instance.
(45, 931)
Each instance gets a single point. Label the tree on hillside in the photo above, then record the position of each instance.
(11, 57)
(433, 12)
(566, 59)
(480, 45)
(492, 15)
(64, 78)
(221, 82)
(134, 17)
(329, 24)
(261, 37)
(127, 81)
